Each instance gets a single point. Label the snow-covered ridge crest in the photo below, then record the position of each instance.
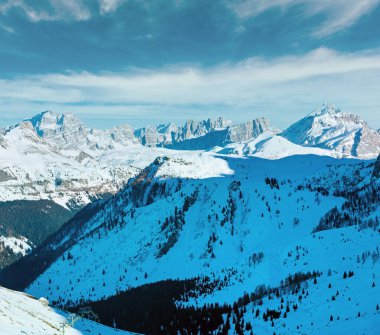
(329, 113)
(326, 108)
(194, 166)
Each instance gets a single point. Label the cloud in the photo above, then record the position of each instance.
(7, 28)
(58, 10)
(336, 15)
(279, 88)
(54, 10)
(32, 14)
(339, 14)
(109, 6)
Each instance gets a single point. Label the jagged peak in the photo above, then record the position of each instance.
(326, 108)
(121, 127)
(52, 116)
(328, 114)
(220, 120)
(52, 121)
(164, 127)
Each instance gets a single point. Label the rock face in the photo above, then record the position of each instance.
(193, 129)
(50, 124)
(199, 135)
(66, 131)
(245, 131)
(330, 128)
(160, 135)
(170, 134)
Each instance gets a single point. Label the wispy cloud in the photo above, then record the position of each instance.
(58, 10)
(54, 10)
(109, 6)
(336, 15)
(339, 14)
(7, 28)
(279, 88)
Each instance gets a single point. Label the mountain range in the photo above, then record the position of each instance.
(209, 228)
(326, 128)
(55, 157)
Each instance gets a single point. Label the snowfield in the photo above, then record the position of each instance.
(18, 245)
(23, 314)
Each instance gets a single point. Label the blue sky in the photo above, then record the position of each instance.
(139, 62)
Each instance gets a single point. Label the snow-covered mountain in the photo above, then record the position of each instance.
(52, 152)
(41, 159)
(170, 135)
(67, 132)
(33, 166)
(21, 313)
(197, 205)
(54, 156)
(241, 223)
(332, 129)
(218, 200)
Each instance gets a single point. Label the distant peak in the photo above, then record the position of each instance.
(51, 117)
(49, 121)
(50, 114)
(326, 108)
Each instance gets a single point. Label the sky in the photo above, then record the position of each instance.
(145, 62)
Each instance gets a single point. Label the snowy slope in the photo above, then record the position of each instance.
(270, 145)
(23, 314)
(19, 245)
(165, 227)
(331, 305)
(333, 129)
(132, 229)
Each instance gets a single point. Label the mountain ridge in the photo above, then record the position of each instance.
(327, 128)
(55, 157)
(218, 228)
(279, 220)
